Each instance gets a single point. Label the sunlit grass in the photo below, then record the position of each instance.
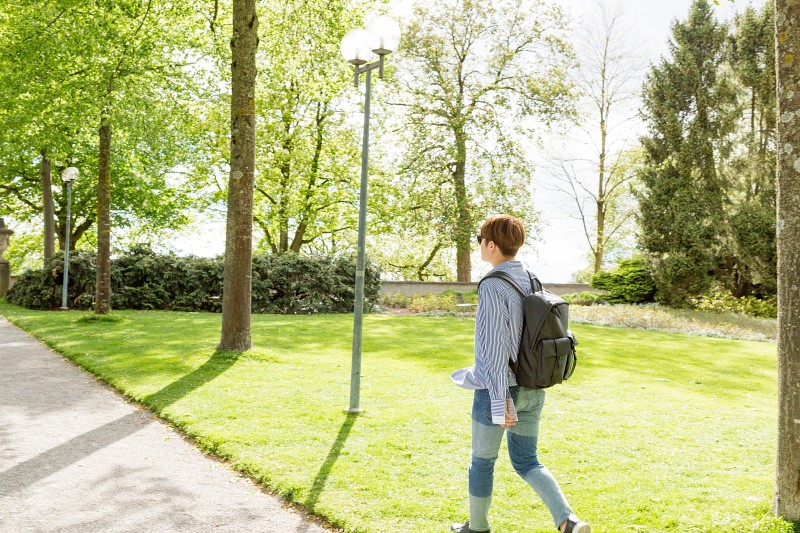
(655, 432)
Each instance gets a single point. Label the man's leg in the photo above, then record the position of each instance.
(486, 438)
(522, 443)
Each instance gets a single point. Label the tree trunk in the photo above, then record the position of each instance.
(297, 241)
(319, 138)
(421, 270)
(787, 32)
(464, 227)
(103, 290)
(236, 293)
(603, 106)
(599, 248)
(75, 234)
(753, 116)
(49, 209)
(285, 185)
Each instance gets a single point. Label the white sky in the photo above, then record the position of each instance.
(562, 248)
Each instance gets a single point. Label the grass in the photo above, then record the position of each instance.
(655, 432)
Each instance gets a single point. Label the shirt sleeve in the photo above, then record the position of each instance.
(496, 348)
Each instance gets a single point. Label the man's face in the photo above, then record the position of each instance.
(484, 249)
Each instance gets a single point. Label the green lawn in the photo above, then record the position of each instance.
(655, 432)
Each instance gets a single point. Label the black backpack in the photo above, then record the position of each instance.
(546, 354)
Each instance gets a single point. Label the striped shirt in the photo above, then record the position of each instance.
(498, 328)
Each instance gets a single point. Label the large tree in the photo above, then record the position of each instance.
(750, 257)
(476, 73)
(237, 284)
(83, 65)
(690, 110)
(787, 37)
(135, 48)
(598, 174)
(306, 188)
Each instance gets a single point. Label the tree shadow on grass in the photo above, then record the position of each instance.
(325, 470)
(216, 365)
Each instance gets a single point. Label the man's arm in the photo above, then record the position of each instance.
(496, 346)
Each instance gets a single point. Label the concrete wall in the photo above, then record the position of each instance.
(435, 287)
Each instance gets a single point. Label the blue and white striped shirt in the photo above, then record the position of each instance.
(498, 328)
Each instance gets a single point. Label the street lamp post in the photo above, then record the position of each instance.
(381, 38)
(69, 175)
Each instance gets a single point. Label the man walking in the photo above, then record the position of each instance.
(499, 403)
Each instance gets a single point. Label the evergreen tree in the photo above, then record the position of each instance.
(751, 259)
(690, 109)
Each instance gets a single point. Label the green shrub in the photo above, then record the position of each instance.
(425, 303)
(142, 279)
(629, 283)
(724, 302)
(297, 284)
(442, 302)
(399, 301)
(584, 298)
(41, 289)
(446, 301)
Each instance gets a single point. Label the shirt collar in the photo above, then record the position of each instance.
(507, 265)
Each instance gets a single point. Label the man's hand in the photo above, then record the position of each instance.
(511, 414)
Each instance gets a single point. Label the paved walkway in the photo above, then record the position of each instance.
(76, 457)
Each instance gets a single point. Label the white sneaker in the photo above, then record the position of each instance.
(577, 526)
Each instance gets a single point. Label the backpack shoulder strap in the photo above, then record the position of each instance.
(536, 285)
(507, 278)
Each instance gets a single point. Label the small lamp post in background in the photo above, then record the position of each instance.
(358, 47)
(69, 175)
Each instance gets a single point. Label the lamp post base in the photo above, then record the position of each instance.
(354, 411)
(64, 308)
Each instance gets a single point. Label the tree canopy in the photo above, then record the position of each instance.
(67, 67)
(707, 203)
(477, 75)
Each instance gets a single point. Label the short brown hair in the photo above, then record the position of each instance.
(506, 232)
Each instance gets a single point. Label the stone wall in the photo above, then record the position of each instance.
(435, 287)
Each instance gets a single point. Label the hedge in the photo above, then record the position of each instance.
(629, 283)
(142, 279)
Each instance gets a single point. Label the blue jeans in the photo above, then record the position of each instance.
(522, 438)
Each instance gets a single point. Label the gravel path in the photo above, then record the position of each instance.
(76, 457)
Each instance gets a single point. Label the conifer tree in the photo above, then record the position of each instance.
(690, 108)
(751, 259)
